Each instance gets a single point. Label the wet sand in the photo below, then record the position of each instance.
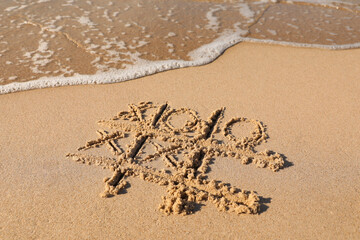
(83, 42)
(307, 98)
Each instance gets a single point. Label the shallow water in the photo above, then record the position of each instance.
(51, 43)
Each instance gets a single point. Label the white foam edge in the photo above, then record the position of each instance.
(303, 45)
(203, 55)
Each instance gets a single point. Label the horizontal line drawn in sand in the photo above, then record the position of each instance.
(187, 182)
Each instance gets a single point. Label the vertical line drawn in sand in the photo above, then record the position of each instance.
(186, 150)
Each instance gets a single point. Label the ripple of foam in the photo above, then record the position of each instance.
(324, 2)
(203, 55)
(304, 45)
(351, 4)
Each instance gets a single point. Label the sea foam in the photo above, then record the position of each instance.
(103, 46)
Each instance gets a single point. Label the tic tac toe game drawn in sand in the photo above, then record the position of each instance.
(186, 145)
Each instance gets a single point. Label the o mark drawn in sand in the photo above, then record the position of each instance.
(187, 151)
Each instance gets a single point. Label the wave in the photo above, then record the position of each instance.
(270, 22)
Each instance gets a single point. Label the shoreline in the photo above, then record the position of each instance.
(92, 43)
(204, 55)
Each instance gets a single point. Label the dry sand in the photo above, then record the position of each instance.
(307, 98)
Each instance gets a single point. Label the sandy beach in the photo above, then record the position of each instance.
(307, 98)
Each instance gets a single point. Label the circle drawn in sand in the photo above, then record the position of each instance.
(188, 126)
(257, 135)
(186, 151)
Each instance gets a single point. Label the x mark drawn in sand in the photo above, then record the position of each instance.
(187, 150)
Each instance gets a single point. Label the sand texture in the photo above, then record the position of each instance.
(262, 143)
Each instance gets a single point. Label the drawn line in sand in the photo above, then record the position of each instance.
(195, 141)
